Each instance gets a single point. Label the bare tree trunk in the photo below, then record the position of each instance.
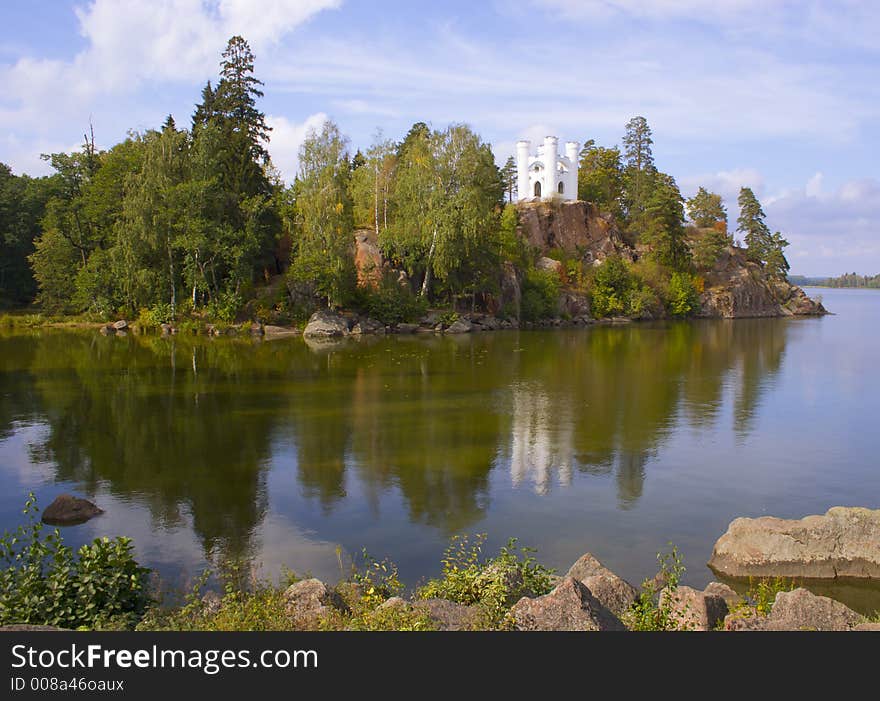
(376, 200)
(426, 283)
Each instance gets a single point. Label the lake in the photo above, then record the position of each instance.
(616, 440)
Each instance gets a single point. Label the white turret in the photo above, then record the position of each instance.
(547, 175)
(522, 169)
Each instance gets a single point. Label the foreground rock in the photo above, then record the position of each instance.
(803, 610)
(694, 610)
(271, 331)
(68, 510)
(613, 592)
(310, 600)
(845, 542)
(449, 615)
(570, 606)
(324, 324)
(27, 628)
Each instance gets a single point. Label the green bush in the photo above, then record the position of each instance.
(494, 584)
(652, 612)
(540, 295)
(225, 307)
(613, 287)
(391, 303)
(42, 582)
(684, 297)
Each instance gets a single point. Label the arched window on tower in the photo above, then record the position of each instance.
(561, 188)
(538, 189)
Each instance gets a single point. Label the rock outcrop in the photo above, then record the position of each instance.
(310, 600)
(694, 610)
(68, 510)
(570, 606)
(738, 288)
(803, 610)
(845, 542)
(449, 615)
(613, 592)
(578, 228)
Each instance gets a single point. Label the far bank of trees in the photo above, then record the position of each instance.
(195, 220)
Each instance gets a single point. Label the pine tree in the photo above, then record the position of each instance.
(756, 235)
(705, 209)
(639, 161)
(508, 178)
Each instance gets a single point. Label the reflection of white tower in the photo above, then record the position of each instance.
(541, 439)
(548, 174)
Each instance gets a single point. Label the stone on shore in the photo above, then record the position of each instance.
(68, 510)
(449, 615)
(845, 542)
(460, 326)
(325, 324)
(570, 606)
(310, 600)
(803, 610)
(694, 610)
(613, 592)
(367, 327)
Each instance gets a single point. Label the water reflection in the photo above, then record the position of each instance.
(190, 429)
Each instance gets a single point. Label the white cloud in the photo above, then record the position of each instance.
(726, 183)
(286, 138)
(130, 42)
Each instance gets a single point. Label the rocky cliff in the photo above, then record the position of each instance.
(734, 288)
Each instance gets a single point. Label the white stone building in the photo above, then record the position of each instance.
(548, 174)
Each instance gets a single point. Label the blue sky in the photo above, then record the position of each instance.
(779, 95)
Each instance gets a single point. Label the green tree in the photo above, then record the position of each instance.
(509, 179)
(600, 178)
(22, 205)
(638, 160)
(776, 264)
(708, 247)
(662, 224)
(322, 260)
(706, 209)
(750, 223)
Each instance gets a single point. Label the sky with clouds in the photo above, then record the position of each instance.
(782, 96)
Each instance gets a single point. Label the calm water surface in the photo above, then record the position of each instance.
(613, 440)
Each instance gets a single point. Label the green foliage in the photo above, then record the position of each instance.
(651, 611)
(154, 317)
(43, 582)
(391, 303)
(377, 580)
(761, 245)
(600, 178)
(708, 247)
(617, 291)
(706, 209)
(540, 294)
(661, 225)
(684, 297)
(759, 599)
(494, 584)
(322, 260)
(224, 307)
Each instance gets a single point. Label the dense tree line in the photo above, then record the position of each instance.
(853, 280)
(179, 221)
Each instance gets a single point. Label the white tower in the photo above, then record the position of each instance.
(547, 175)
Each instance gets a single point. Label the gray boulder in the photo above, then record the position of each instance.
(614, 592)
(802, 610)
(460, 326)
(725, 592)
(868, 626)
(310, 600)
(27, 628)
(449, 615)
(120, 325)
(406, 328)
(570, 606)
(325, 324)
(367, 327)
(68, 510)
(845, 542)
(693, 610)
(271, 331)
